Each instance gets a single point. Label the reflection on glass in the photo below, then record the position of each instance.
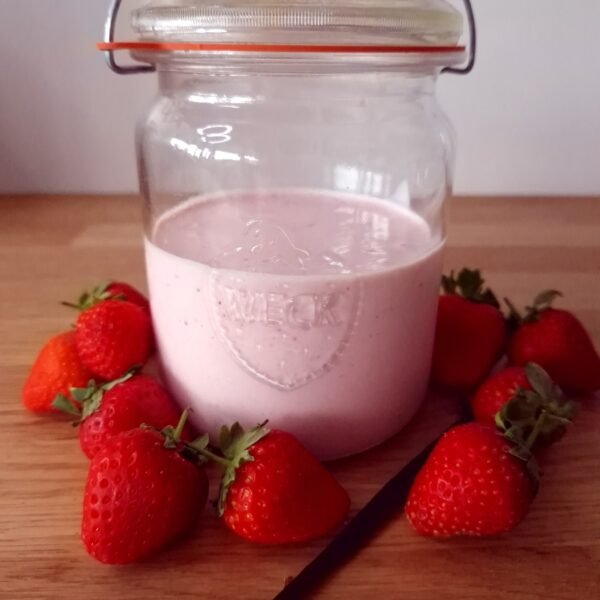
(196, 151)
(353, 179)
(220, 99)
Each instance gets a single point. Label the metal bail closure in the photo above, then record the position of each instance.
(109, 37)
(115, 5)
(472, 44)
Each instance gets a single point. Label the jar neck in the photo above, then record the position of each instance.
(304, 82)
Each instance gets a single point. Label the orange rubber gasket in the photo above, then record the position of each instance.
(295, 48)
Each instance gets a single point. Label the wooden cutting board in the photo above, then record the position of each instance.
(53, 247)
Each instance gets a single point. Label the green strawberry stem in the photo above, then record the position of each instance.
(543, 301)
(89, 299)
(172, 434)
(537, 429)
(234, 445)
(88, 399)
(540, 413)
(211, 455)
(181, 424)
(198, 449)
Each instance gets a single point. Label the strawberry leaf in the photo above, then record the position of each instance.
(540, 381)
(470, 285)
(449, 283)
(543, 301)
(90, 397)
(62, 403)
(89, 299)
(236, 451)
(81, 395)
(224, 437)
(200, 443)
(539, 415)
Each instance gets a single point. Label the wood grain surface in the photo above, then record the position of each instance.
(53, 247)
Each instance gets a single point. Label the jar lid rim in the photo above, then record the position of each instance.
(313, 22)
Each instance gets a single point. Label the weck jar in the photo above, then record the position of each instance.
(294, 167)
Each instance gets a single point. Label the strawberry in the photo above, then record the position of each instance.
(470, 332)
(56, 369)
(112, 337)
(108, 409)
(557, 341)
(475, 482)
(141, 494)
(115, 290)
(273, 491)
(123, 291)
(523, 402)
(495, 392)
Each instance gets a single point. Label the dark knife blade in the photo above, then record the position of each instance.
(386, 503)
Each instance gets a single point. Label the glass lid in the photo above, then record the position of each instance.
(316, 22)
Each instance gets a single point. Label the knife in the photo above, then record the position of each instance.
(386, 503)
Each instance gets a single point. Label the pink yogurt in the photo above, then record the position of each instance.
(315, 311)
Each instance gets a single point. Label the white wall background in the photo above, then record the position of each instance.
(528, 117)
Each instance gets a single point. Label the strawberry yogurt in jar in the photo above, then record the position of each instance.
(294, 165)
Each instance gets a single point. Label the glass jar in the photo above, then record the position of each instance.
(294, 166)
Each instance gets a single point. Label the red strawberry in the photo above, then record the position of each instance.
(141, 494)
(470, 332)
(56, 369)
(556, 340)
(123, 291)
(112, 337)
(495, 392)
(472, 484)
(112, 408)
(523, 402)
(273, 491)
